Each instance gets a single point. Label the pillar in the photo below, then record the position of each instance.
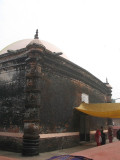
(31, 136)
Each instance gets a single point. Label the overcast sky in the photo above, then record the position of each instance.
(87, 31)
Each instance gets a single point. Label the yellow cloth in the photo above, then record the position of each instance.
(105, 110)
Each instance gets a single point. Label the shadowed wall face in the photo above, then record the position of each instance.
(59, 95)
(12, 97)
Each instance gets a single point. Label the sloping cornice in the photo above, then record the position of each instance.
(71, 70)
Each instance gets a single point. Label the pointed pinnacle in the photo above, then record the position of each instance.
(36, 35)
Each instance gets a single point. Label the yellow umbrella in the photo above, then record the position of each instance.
(105, 110)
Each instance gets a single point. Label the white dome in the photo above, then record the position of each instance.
(23, 43)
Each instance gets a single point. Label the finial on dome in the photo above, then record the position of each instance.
(106, 80)
(36, 35)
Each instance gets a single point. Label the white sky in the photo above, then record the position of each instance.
(87, 31)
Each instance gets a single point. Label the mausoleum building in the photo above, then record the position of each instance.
(39, 89)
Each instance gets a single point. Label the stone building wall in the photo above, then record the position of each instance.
(60, 84)
(63, 84)
(12, 95)
(39, 91)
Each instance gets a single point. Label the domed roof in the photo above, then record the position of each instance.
(26, 42)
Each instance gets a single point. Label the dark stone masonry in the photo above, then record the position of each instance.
(39, 90)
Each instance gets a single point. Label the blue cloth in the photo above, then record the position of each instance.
(68, 157)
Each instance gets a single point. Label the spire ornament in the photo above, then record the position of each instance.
(36, 35)
(106, 80)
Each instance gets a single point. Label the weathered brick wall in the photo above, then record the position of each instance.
(61, 84)
(60, 94)
(57, 143)
(12, 97)
(56, 111)
(39, 89)
(14, 143)
(9, 143)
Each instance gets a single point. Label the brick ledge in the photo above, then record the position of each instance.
(49, 135)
